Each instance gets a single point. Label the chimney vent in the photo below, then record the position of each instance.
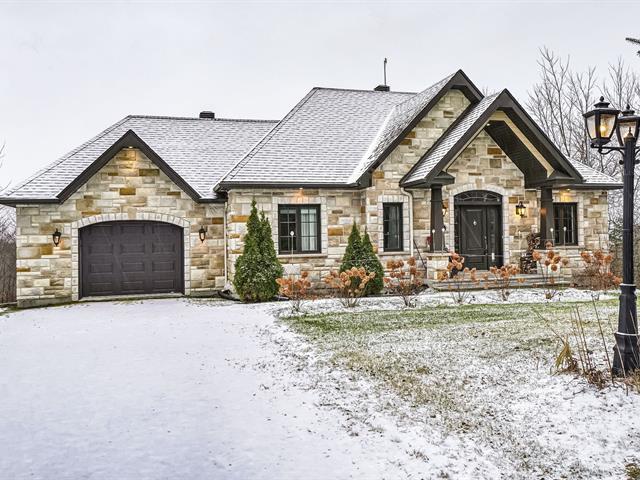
(382, 88)
(208, 114)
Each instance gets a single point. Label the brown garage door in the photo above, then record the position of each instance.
(131, 258)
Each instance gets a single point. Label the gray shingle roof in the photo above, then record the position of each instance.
(323, 140)
(594, 177)
(201, 151)
(448, 140)
(399, 117)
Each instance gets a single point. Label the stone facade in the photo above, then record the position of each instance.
(482, 165)
(129, 187)
(338, 210)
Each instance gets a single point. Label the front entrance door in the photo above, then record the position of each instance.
(478, 226)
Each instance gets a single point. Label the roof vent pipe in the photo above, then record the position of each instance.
(384, 87)
(208, 114)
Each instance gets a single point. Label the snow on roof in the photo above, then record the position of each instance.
(199, 150)
(323, 139)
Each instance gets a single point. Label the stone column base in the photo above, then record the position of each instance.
(436, 262)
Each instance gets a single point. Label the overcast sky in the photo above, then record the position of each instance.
(70, 69)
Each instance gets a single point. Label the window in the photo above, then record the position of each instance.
(565, 223)
(298, 229)
(392, 227)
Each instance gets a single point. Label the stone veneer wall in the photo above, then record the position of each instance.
(484, 166)
(338, 210)
(386, 178)
(129, 187)
(593, 223)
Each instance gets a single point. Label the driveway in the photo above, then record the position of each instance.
(165, 389)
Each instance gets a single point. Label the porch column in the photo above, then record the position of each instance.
(546, 216)
(437, 221)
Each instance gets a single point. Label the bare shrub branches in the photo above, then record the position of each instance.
(7, 249)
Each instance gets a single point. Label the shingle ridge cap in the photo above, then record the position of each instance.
(363, 90)
(221, 119)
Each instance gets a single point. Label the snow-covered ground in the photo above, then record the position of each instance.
(181, 388)
(478, 376)
(432, 298)
(168, 389)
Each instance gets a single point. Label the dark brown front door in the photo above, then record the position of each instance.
(478, 226)
(131, 258)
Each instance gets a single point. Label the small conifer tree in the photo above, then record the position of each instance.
(359, 253)
(257, 268)
(371, 263)
(353, 253)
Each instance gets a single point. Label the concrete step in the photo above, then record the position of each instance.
(519, 281)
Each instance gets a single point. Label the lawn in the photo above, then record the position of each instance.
(480, 377)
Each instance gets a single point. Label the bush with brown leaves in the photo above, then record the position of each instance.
(296, 289)
(404, 279)
(349, 285)
(550, 267)
(502, 278)
(597, 275)
(457, 276)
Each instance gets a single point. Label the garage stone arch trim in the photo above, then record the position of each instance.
(113, 217)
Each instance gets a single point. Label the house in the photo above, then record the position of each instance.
(158, 205)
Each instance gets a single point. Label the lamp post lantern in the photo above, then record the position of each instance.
(601, 123)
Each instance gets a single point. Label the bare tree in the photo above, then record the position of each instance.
(557, 102)
(562, 95)
(7, 249)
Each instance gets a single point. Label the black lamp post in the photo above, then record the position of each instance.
(601, 124)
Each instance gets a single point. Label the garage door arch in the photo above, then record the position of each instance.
(76, 226)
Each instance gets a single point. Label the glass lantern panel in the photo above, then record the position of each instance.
(591, 127)
(607, 124)
(626, 128)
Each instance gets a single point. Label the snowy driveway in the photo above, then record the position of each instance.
(164, 389)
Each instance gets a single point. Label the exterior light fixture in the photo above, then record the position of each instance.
(444, 210)
(601, 123)
(628, 125)
(202, 233)
(521, 209)
(56, 237)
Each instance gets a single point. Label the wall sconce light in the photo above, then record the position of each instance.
(202, 233)
(444, 210)
(521, 210)
(56, 237)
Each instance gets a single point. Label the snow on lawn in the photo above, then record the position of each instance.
(479, 377)
(166, 389)
(431, 298)
(202, 389)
